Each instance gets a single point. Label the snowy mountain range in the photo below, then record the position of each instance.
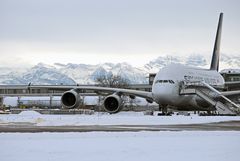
(69, 74)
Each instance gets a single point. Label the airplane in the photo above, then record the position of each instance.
(175, 86)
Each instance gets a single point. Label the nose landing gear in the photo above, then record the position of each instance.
(164, 111)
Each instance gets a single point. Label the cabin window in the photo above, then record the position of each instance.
(165, 81)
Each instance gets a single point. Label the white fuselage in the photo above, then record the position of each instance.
(166, 86)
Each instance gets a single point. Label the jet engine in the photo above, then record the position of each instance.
(70, 99)
(113, 103)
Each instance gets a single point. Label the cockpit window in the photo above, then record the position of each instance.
(165, 81)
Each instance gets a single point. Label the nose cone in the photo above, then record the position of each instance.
(163, 94)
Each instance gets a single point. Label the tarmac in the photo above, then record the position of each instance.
(18, 127)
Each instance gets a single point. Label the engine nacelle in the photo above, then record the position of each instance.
(70, 99)
(113, 103)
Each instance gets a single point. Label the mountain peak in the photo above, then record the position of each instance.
(42, 65)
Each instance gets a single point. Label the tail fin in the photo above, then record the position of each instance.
(216, 50)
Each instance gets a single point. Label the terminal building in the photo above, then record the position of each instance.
(231, 76)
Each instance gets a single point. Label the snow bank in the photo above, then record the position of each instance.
(29, 113)
(122, 118)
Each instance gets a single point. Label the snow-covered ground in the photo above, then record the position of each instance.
(118, 146)
(125, 146)
(122, 118)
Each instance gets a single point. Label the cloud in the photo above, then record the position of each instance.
(116, 31)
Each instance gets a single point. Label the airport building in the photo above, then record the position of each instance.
(230, 76)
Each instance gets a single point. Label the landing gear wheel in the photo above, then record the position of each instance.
(164, 110)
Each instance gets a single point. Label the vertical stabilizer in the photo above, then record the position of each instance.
(216, 50)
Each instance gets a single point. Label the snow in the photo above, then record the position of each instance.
(119, 146)
(29, 113)
(122, 118)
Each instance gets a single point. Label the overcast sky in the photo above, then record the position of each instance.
(97, 31)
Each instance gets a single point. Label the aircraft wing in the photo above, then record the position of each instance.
(232, 85)
(237, 83)
(231, 93)
(96, 89)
